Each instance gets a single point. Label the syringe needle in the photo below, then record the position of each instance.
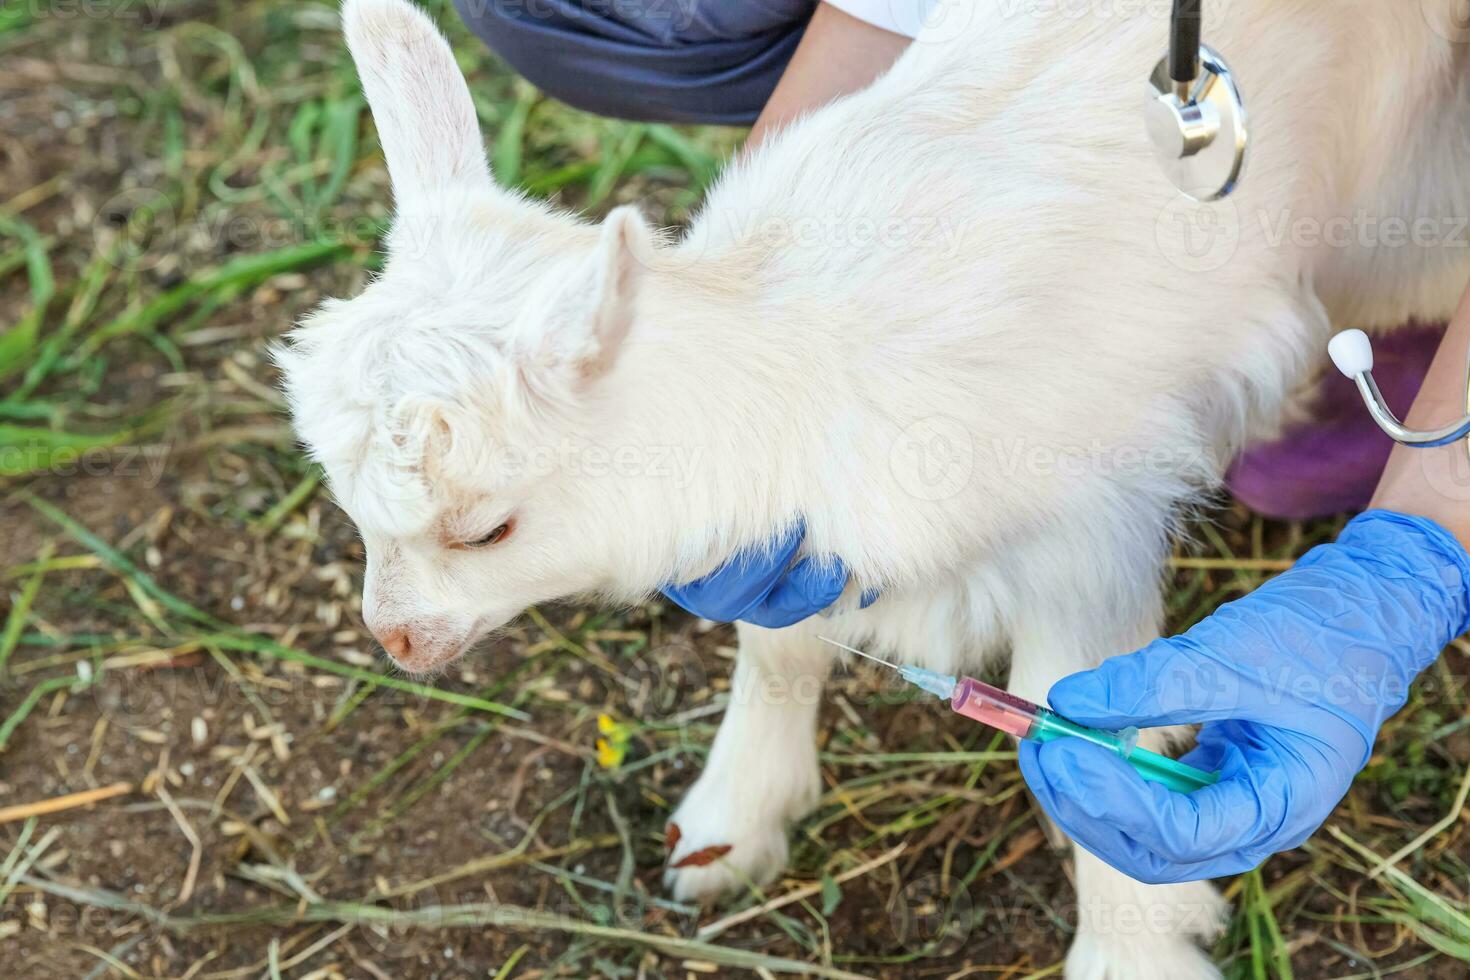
(868, 656)
(1016, 716)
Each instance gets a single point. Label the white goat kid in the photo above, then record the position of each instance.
(958, 322)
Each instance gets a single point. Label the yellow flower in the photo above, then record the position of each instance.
(612, 748)
(610, 756)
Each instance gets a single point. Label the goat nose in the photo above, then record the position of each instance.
(395, 641)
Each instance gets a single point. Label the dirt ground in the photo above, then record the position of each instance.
(179, 183)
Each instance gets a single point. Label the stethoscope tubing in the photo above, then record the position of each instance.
(1396, 430)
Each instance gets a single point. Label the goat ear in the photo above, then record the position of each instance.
(595, 310)
(420, 102)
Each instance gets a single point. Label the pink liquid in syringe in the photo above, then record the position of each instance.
(994, 707)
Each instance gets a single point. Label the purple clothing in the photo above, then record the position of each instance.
(1333, 463)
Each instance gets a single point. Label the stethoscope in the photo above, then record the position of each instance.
(1197, 123)
(1352, 352)
(1195, 113)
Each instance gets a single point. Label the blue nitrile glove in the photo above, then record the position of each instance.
(765, 587)
(1292, 683)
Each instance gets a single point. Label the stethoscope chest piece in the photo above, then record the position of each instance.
(1198, 127)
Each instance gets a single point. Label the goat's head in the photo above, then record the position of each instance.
(441, 399)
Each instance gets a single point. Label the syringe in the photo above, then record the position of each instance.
(1016, 716)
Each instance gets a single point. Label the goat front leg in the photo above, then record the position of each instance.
(1126, 930)
(730, 830)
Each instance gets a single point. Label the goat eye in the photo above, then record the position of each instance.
(493, 537)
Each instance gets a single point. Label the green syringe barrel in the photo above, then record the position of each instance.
(1003, 710)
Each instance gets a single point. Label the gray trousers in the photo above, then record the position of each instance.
(689, 61)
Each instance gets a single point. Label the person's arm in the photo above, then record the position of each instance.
(1435, 483)
(1291, 682)
(837, 55)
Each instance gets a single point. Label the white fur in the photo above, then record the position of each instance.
(958, 322)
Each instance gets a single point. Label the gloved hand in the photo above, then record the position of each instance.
(766, 588)
(1292, 683)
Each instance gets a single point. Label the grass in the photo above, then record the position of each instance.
(178, 612)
